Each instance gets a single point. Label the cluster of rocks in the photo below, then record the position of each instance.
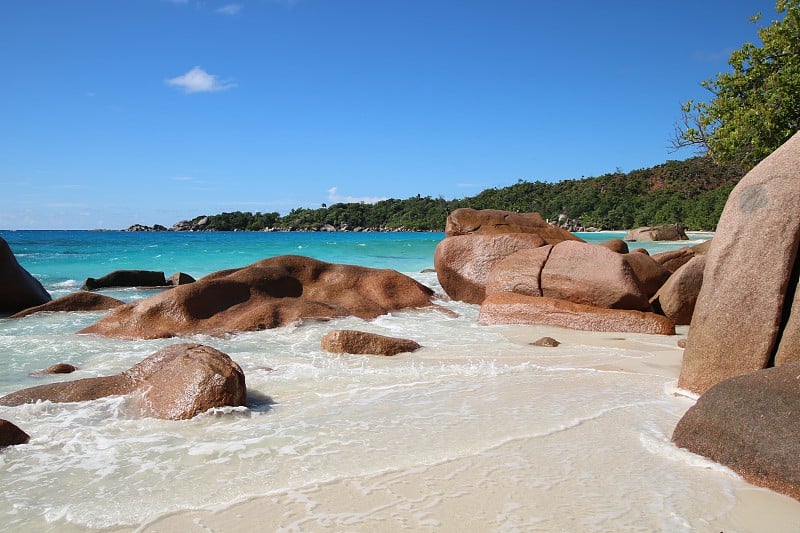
(141, 227)
(522, 270)
(739, 294)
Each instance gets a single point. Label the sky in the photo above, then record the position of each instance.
(115, 112)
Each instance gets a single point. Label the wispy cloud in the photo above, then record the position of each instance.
(198, 80)
(335, 197)
(229, 9)
(182, 178)
(714, 56)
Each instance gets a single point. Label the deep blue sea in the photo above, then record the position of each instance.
(477, 430)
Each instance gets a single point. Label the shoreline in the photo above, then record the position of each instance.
(500, 487)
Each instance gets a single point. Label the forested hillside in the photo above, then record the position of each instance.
(692, 192)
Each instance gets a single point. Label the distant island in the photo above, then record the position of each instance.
(691, 192)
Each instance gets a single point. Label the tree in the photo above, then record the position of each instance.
(756, 107)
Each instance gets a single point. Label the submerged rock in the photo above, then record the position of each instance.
(547, 342)
(270, 293)
(175, 383)
(18, 289)
(360, 342)
(60, 368)
(78, 301)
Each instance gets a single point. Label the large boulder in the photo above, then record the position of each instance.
(520, 272)
(361, 342)
(750, 277)
(269, 293)
(18, 289)
(669, 232)
(592, 275)
(650, 273)
(676, 299)
(126, 278)
(78, 301)
(467, 221)
(11, 435)
(510, 308)
(789, 348)
(175, 383)
(749, 424)
(674, 259)
(179, 278)
(463, 262)
(616, 245)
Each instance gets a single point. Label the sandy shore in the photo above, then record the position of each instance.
(574, 477)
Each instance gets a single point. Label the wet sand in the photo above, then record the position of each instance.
(612, 469)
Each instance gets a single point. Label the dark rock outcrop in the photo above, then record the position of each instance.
(11, 435)
(269, 293)
(467, 221)
(749, 424)
(510, 308)
(78, 301)
(175, 383)
(669, 232)
(18, 289)
(126, 278)
(750, 278)
(360, 342)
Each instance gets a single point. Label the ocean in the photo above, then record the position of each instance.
(477, 429)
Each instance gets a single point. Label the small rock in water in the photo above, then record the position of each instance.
(549, 342)
(681, 343)
(11, 435)
(60, 368)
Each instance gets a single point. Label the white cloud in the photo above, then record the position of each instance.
(182, 178)
(198, 80)
(335, 197)
(230, 9)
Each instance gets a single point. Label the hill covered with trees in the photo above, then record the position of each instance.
(692, 192)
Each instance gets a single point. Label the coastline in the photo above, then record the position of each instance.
(505, 485)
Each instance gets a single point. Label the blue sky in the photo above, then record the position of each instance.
(118, 112)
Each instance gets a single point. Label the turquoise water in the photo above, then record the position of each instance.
(61, 260)
(548, 426)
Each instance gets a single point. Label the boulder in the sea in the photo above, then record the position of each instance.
(467, 221)
(270, 293)
(126, 278)
(510, 308)
(650, 273)
(463, 262)
(18, 288)
(175, 383)
(361, 342)
(750, 277)
(11, 435)
(677, 297)
(179, 278)
(60, 368)
(591, 275)
(77, 301)
(749, 423)
(667, 232)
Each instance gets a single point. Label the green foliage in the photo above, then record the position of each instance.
(756, 107)
(692, 192)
